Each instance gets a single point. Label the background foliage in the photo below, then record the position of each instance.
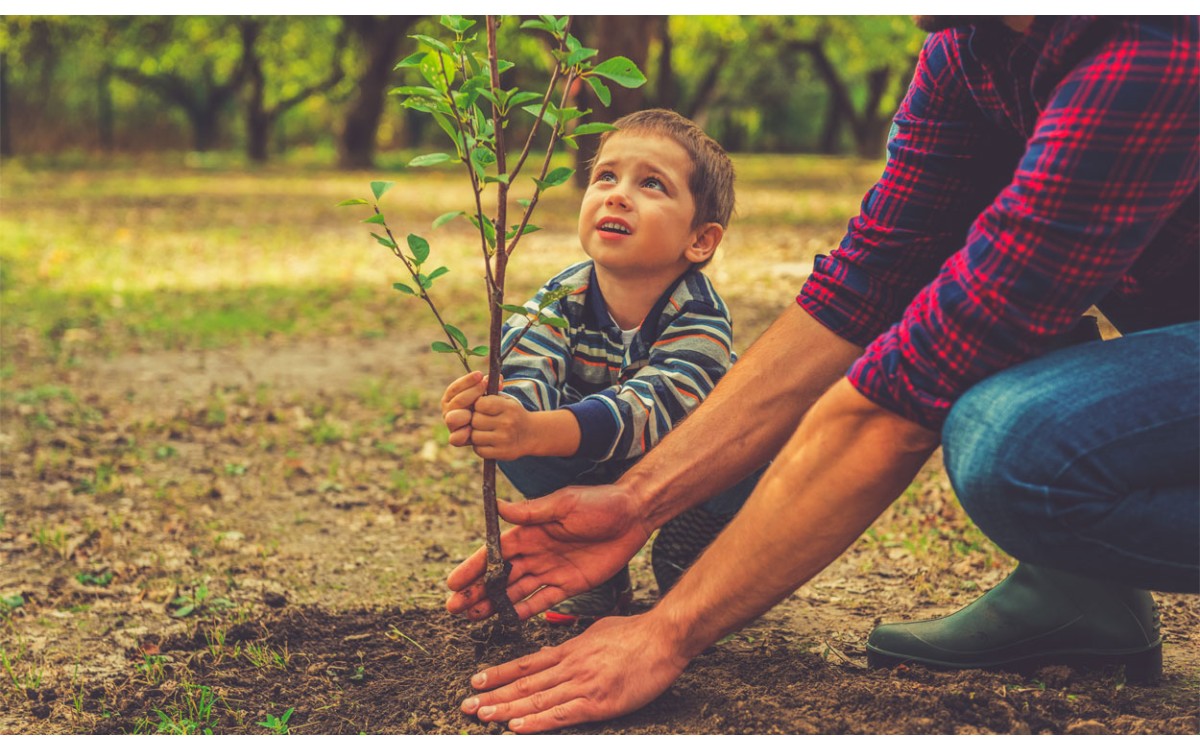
(313, 89)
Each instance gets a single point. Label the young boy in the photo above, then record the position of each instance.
(648, 339)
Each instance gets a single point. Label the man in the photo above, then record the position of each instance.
(1036, 167)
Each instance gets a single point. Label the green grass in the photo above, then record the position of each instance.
(162, 256)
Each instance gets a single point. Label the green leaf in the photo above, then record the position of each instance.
(554, 295)
(514, 309)
(556, 177)
(489, 231)
(384, 241)
(411, 61)
(444, 123)
(483, 156)
(429, 41)
(405, 288)
(553, 320)
(428, 160)
(529, 229)
(567, 114)
(423, 281)
(353, 202)
(458, 335)
(379, 188)
(621, 71)
(547, 116)
(602, 92)
(415, 91)
(457, 24)
(503, 65)
(540, 25)
(375, 219)
(524, 202)
(520, 98)
(579, 55)
(419, 247)
(592, 127)
(184, 611)
(439, 271)
(447, 218)
(479, 351)
(442, 347)
(488, 179)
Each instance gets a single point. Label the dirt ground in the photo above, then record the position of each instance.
(255, 540)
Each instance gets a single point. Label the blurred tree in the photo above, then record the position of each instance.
(195, 63)
(378, 40)
(300, 58)
(628, 36)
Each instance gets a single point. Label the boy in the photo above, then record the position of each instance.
(648, 339)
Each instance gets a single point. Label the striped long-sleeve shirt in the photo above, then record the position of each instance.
(1029, 176)
(625, 399)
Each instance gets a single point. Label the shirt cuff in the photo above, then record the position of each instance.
(598, 428)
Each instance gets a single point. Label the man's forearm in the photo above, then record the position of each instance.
(848, 461)
(747, 418)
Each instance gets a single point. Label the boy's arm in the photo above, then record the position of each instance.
(690, 355)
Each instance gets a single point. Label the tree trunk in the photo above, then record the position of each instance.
(870, 135)
(379, 38)
(105, 119)
(612, 35)
(6, 148)
(667, 89)
(258, 119)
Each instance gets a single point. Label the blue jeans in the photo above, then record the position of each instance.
(1088, 459)
(537, 476)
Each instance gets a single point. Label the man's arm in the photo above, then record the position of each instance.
(845, 464)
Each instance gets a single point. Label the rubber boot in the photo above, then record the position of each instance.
(1036, 616)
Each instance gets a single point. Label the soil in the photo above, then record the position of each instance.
(205, 541)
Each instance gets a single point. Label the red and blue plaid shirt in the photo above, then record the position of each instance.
(1029, 177)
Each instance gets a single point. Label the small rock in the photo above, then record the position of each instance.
(274, 599)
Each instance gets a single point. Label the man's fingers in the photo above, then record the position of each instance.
(540, 601)
(468, 571)
(542, 510)
(575, 711)
(497, 677)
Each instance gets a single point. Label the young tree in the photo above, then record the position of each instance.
(465, 97)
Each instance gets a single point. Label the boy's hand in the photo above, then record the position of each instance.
(458, 403)
(503, 430)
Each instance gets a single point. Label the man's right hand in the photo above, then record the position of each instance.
(562, 545)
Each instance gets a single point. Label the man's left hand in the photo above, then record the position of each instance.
(589, 678)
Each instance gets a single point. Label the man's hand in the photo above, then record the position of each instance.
(564, 544)
(458, 404)
(589, 678)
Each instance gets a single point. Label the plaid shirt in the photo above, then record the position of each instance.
(626, 399)
(1028, 177)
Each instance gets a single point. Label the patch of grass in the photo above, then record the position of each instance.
(191, 713)
(53, 541)
(262, 656)
(200, 601)
(22, 673)
(278, 724)
(94, 579)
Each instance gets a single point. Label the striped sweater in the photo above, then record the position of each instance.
(625, 400)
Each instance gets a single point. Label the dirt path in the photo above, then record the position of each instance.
(298, 502)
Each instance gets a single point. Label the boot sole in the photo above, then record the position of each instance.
(1141, 667)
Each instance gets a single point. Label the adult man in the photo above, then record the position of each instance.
(1036, 167)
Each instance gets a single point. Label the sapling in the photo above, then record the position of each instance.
(464, 95)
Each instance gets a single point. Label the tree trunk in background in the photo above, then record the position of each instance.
(6, 148)
(612, 35)
(667, 92)
(380, 38)
(105, 119)
(258, 119)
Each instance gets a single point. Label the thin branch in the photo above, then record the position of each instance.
(416, 277)
(562, 41)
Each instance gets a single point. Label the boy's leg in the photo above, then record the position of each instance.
(681, 540)
(538, 476)
(1082, 465)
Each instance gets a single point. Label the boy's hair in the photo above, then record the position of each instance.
(711, 181)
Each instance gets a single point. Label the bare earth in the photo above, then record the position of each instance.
(278, 521)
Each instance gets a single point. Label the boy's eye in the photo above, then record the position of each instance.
(654, 184)
(606, 177)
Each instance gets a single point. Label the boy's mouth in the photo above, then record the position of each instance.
(616, 227)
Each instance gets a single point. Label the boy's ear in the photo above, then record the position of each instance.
(705, 242)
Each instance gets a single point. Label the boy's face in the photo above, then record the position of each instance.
(636, 217)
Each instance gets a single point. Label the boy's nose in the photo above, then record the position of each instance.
(617, 198)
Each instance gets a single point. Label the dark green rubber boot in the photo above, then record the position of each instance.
(1036, 616)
